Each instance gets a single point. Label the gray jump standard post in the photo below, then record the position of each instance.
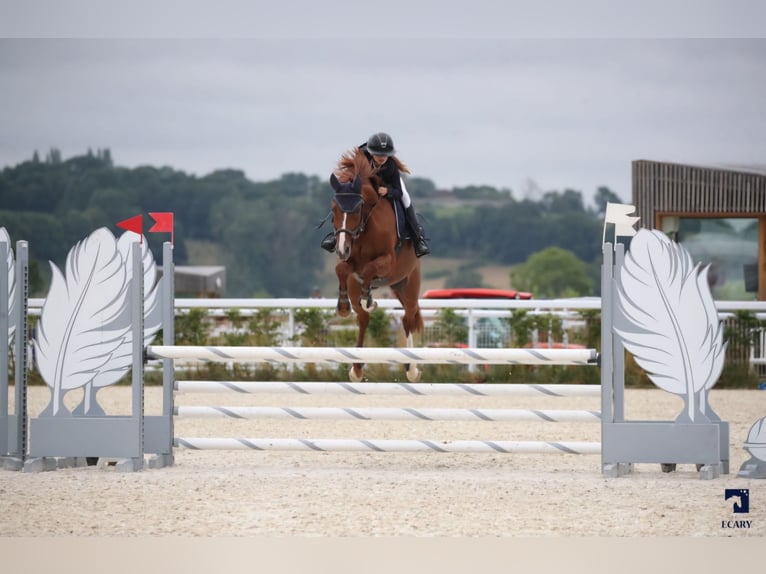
(110, 437)
(624, 442)
(158, 438)
(13, 427)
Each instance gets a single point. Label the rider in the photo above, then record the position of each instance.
(379, 149)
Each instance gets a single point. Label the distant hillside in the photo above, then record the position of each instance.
(267, 234)
(436, 271)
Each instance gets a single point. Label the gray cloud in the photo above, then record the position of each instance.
(565, 113)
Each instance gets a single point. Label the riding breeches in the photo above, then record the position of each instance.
(406, 201)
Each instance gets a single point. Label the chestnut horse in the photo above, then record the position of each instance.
(368, 254)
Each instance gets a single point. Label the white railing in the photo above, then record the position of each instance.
(480, 333)
(541, 305)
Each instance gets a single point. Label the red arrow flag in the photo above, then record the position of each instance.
(163, 222)
(134, 224)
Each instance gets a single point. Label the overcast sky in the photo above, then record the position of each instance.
(562, 113)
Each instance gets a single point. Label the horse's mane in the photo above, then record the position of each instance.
(354, 162)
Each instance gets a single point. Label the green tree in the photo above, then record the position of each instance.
(568, 201)
(192, 328)
(452, 327)
(603, 196)
(465, 276)
(267, 231)
(236, 335)
(264, 327)
(419, 187)
(379, 328)
(551, 273)
(313, 327)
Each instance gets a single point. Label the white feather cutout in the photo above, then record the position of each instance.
(667, 318)
(122, 357)
(77, 332)
(12, 319)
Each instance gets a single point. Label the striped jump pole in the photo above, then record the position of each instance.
(390, 445)
(458, 356)
(388, 388)
(393, 355)
(388, 414)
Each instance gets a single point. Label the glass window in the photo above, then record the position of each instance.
(730, 246)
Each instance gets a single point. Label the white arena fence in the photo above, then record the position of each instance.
(487, 320)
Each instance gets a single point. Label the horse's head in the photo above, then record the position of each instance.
(347, 214)
(356, 195)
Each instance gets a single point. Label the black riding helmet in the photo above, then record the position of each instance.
(381, 144)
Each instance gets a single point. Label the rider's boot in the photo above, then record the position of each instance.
(418, 240)
(328, 243)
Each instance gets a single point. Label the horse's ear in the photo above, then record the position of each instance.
(356, 185)
(334, 182)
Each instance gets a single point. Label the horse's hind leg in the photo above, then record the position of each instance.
(412, 371)
(408, 292)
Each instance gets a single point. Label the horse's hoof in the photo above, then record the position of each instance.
(344, 307)
(369, 304)
(353, 376)
(413, 374)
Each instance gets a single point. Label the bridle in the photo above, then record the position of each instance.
(358, 206)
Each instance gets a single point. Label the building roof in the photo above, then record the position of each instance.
(200, 280)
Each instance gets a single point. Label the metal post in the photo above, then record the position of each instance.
(471, 336)
(4, 333)
(291, 338)
(607, 355)
(168, 338)
(137, 306)
(20, 354)
(618, 348)
(159, 435)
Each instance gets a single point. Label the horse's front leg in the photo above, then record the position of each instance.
(378, 267)
(363, 319)
(343, 270)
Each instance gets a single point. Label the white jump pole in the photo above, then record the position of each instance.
(388, 388)
(379, 355)
(389, 414)
(389, 445)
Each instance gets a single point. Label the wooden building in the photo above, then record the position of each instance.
(199, 281)
(718, 214)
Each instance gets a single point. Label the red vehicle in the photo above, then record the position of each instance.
(475, 293)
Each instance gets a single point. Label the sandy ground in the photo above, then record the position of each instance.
(307, 494)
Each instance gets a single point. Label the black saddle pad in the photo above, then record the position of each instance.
(402, 231)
